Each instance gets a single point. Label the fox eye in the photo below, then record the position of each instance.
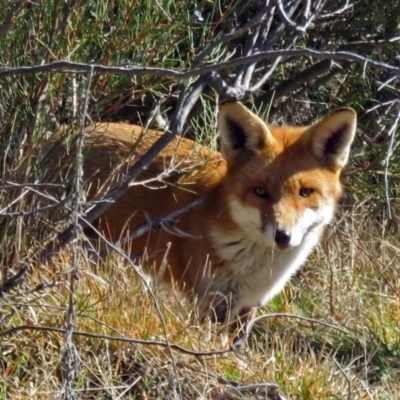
(306, 192)
(260, 192)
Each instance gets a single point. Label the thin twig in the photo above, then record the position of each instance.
(245, 72)
(81, 68)
(31, 213)
(257, 86)
(286, 19)
(346, 377)
(257, 19)
(185, 104)
(133, 172)
(71, 355)
(280, 29)
(163, 222)
(172, 346)
(311, 320)
(336, 12)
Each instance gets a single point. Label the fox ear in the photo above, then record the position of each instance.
(242, 132)
(331, 137)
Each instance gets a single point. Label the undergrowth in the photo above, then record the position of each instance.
(346, 345)
(333, 333)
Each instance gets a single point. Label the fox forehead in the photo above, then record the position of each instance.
(285, 166)
(290, 151)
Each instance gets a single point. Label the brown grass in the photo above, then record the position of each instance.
(352, 282)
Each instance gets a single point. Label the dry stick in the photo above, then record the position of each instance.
(133, 172)
(72, 67)
(300, 79)
(183, 108)
(170, 345)
(263, 44)
(290, 23)
(300, 90)
(163, 222)
(9, 185)
(345, 377)
(265, 31)
(185, 104)
(257, 86)
(336, 12)
(286, 18)
(31, 213)
(312, 320)
(71, 357)
(146, 284)
(276, 35)
(245, 72)
(30, 187)
(257, 19)
(39, 288)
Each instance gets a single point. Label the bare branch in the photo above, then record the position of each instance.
(182, 110)
(30, 213)
(70, 359)
(173, 346)
(266, 76)
(286, 19)
(228, 92)
(163, 223)
(246, 71)
(258, 18)
(135, 170)
(304, 77)
(299, 317)
(38, 288)
(279, 30)
(79, 68)
(337, 12)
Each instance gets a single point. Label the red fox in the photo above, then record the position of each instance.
(266, 198)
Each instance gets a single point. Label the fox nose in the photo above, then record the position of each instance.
(282, 237)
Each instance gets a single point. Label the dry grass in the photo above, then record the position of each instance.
(352, 282)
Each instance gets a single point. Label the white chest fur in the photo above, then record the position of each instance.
(253, 272)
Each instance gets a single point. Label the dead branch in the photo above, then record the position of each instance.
(83, 68)
(173, 346)
(185, 104)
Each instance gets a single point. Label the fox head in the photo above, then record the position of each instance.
(283, 184)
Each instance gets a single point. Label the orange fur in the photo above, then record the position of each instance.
(267, 196)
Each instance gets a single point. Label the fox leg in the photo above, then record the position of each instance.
(238, 329)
